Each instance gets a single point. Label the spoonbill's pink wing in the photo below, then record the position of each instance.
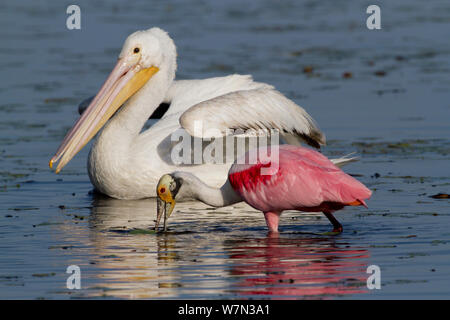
(305, 179)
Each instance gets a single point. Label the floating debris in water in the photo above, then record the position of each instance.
(440, 196)
(296, 53)
(42, 275)
(396, 90)
(57, 100)
(133, 231)
(308, 69)
(437, 242)
(61, 247)
(356, 175)
(46, 224)
(143, 231)
(347, 75)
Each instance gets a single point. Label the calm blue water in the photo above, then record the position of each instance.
(394, 111)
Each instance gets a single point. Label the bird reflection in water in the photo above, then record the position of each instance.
(297, 268)
(197, 259)
(131, 261)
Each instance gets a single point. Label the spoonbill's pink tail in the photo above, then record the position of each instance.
(358, 202)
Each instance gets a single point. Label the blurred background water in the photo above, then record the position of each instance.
(384, 94)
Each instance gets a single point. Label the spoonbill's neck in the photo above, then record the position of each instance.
(193, 187)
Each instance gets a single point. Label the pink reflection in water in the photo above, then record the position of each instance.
(297, 268)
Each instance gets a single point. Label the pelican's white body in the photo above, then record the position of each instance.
(125, 163)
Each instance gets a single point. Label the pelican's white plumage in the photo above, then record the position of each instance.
(258, 109)
(126, 163)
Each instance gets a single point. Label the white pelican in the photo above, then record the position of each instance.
(126, 163)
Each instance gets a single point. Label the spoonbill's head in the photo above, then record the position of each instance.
(167, 189)
(144, 54)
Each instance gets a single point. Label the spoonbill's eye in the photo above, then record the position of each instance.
(136, 50)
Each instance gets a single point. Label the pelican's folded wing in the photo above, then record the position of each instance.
(184, 94)
(262, 108)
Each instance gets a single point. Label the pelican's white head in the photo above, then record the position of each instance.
(151, 48)
(144, 54)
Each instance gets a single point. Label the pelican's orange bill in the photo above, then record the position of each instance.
(125, 79)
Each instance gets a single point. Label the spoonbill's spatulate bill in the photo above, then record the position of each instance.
(303, 180)
(125, 161)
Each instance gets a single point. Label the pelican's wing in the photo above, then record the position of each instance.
(184, 94)
(262, 108)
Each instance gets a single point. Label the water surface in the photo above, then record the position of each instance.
(384, 94)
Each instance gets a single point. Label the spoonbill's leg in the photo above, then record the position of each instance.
(272, 219)
(337, 227)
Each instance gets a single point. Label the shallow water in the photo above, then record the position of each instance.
(392, 109)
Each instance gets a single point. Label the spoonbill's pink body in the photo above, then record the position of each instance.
(305, 181)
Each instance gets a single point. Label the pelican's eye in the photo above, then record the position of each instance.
(136, 50)
(162, 190)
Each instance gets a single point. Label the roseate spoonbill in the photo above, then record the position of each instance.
(305, 180)
(124, 162)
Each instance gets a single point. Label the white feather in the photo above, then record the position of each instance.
(255, 109)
